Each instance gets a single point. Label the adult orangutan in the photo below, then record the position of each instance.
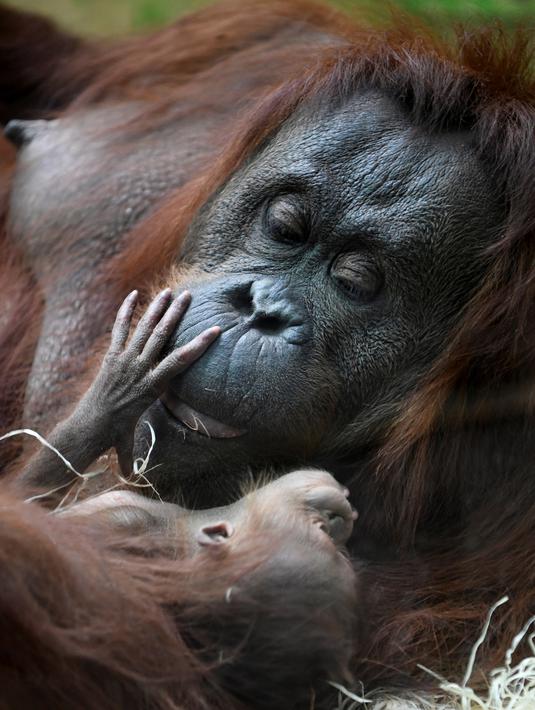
(355, 210)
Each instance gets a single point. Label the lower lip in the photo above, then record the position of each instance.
(196, 421)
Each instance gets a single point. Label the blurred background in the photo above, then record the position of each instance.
(105, 17)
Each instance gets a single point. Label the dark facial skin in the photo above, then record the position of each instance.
(336, 263)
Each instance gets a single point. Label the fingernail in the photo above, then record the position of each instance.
(165, 292)
(133, 294)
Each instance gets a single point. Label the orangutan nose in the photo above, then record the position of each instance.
(269, 306)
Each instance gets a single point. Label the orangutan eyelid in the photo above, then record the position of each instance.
(357, 276)
(285, 220)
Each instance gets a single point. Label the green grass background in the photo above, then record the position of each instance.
(105, 17)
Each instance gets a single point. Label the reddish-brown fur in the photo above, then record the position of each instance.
(19, 316)
(90, 618)
(429, 606)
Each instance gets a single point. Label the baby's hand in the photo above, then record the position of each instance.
(131, 376)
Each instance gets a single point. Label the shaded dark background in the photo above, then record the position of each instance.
(120, 16)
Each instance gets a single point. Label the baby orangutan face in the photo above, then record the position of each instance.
(309, 502)
(294, 527)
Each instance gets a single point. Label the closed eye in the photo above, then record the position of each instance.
(285, 219)
(357, 275)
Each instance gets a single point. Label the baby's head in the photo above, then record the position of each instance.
(289, 617)
(276, 597)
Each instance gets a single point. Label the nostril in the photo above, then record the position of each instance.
(269, 324)
(242, 300)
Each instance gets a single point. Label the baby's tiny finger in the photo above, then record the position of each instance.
(161, 333)
(150, 318)
(123, 319)
(180, 359)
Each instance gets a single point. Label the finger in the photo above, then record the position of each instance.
(180, 359)
(150, 318)
(121, 327)
(162, 332)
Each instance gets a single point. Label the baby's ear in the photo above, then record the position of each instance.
(215, 533)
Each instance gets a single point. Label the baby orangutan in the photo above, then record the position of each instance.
(123, 601)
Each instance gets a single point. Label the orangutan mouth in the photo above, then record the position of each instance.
(200, 423)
